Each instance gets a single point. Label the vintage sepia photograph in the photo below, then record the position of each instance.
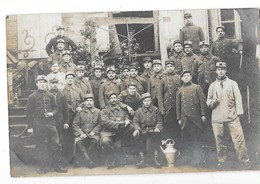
(133, 92)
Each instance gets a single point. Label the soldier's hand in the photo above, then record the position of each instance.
(163, 112)
(129, 109)
(214, 104)
(91, 134)
(83, 136)
(79, 109)
(127, 122)
(136, 133)
(48, 114)
(66, 126)
(30, 130)
(203, 118)
(156, 130)
(179, 121)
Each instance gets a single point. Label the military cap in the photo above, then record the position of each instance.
(110, 93)
(157, 61)
(146, 95)
(220, 26)
(66, 52)
(204, 43)
(177, 41)
(41, 77)
(89, 95)
(185, 71)
(54, 80)
(69, 73)
(221, 65)
(60, 27)
(134, 66)
(147, 59)
(125, 67)
(169, 62)
(110, 69)
(132, 84)
(98, 67)
(188, 43)
(54, 62)
(186, 15)
(60, 41)
(80, 68)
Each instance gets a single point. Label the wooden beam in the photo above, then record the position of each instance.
(156, 31)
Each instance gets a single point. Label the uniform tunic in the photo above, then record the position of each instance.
(177, 57)
(56, 56)
(60, 76)
(187, 61)
(133, 101)
(67, 67)
(139, 81)
(52, 44)
(147, 74)
(95, 85)
(83, 84)
(153, 86)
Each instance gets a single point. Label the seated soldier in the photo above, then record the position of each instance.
(147, 123)
(86, 128)
(116, 127)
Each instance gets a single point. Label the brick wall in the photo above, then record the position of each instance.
(11, 33)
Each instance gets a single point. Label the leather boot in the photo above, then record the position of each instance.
(155, 158)
(90, 163)
(141, 163)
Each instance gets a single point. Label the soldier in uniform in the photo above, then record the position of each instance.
(86, 128)
(51, 47)
(192, 33)
(56, 74)
(203, 68)
(96, 83)
(67, 64)
(116, 127)
(177, 56)
(226, 49)
(168, 87)
(189, 58)
(125, 73)
(40, 111)
(57, 55)
(133, 77)
(80, 81)
(74, 97)
(153, 83)
(191, 110)
(148, 124)
(225, 100)
(148, 69)
(109, 85)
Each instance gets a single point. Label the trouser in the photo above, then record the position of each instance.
(147, 142)
(237, 136)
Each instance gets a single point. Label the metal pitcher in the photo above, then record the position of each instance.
(169, 152)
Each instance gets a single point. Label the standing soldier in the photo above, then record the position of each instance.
(189, 58)
(148, 69)
(116, 127)
(109, 85)
(225, 100)
(56, 74)
(192, 33)
(225, 49)
(134, 78)
(80, 81)
(177, 56)
(51, 47)
(191, 114)
(67, 64)
(74, 97)
(86, 128)
(125, 73)
(167, 101)
(57, 55)
(153, 83)
(148, 124)
(40, 111)
(203, 68)
(96, 83)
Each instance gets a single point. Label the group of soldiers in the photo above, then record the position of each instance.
(74, 118)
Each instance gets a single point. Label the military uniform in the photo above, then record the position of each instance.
(95, 85)
(67, 67)
(147, 74)
(83, 84)
(176, 58)
(187, 61)
(132, 101)
(153, 86)
(139, 81)
(61, 78)
(56, 56)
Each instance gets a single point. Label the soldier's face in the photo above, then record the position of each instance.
(55, 68)
(70, 79)
(98, 73)
(220, 32)
(133, 72)
(60, 46)
(54, 85)
(125, 73)
(147, 102)
(188, 20)
(169, 68)
(187, 49)
(41, 84)
(157, 68)
(89, 103)
(80, 74)
(221, 72)
(204, 49)
(131, 90)
(66, 58)
(111, 75)
(113, 99)
(186, 77)
(147, 64)
(178, 47)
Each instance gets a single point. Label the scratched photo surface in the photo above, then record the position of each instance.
(135, 92)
